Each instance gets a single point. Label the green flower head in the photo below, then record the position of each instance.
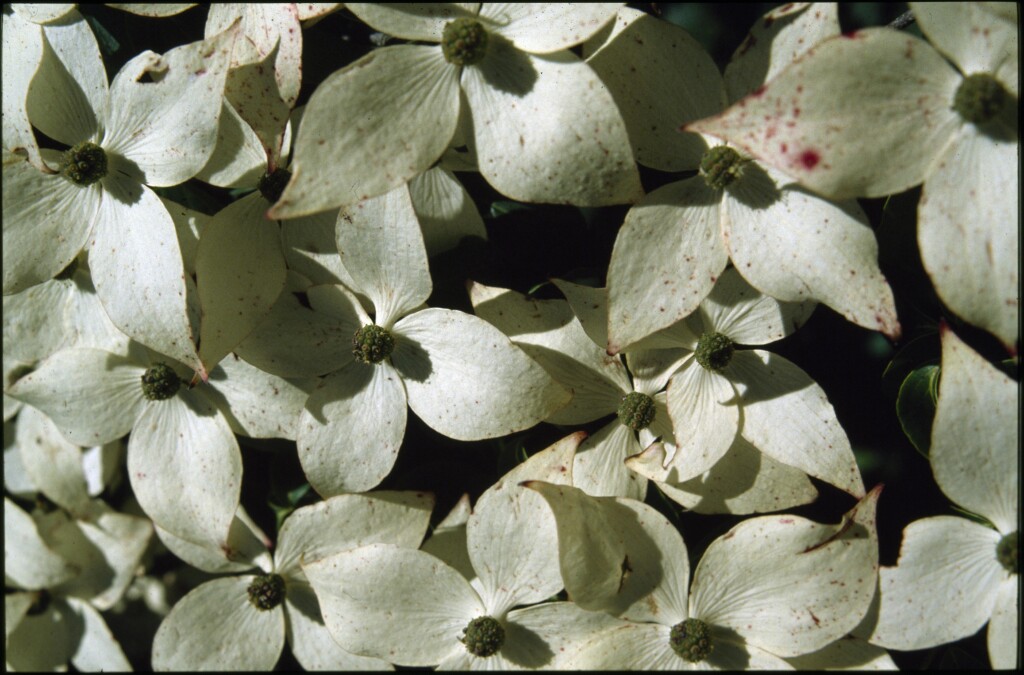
(372, 344)
(483, 636)
(636, 411)
(266, 591)
(464, 42)
(160, 382)
(720, 166)
(979, 98)
(691, 639)
(714, 351)
(84, 164)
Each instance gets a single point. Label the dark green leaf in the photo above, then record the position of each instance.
(915, 406)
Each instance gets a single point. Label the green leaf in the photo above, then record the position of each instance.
(505, 207)
(107, 42)
(922, 350)
(915, 405)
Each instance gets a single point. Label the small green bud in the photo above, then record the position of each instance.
(979, 98)
(636, 411)
(372, 344)
(720, 166)
(1007, 552)
(84, 164)
(483, 636)
(464, 42)
(271, 185)
(266, 591)
(160, 382)
(714, 351)
(691, 639)
(40, 602)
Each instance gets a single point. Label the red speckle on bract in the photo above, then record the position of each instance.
(783, 148)
(852, 35)
(810, 159)
(758, 92)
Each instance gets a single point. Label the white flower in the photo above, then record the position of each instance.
(242, 622)
(458, 373)
(67, 571)
(153, 125)
(183, 458)
(544, 127)
(954, 574)
(410, 608)
(772, 587)
(876, 112)
(675, 243)
(721, 393)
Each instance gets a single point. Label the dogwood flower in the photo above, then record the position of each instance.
(675, 242)
(410, 608)
(721, 392)
(183, 458)
(243, 621)
(153, 125)
(631, 386)
(770, 588)
(458, 373)
(66, 571)
(877, 111)
(506, 68)
(974, 456)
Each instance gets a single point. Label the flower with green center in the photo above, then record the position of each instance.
(483, 636)
(727, 401)
(266, 591)
(738, 611)
(691, 639)
(414, 608)
(787, 243)
(242, 622)
(126, 136)
(975, 460)
(941, 112)
(563, 337)
(458, 373)
(160, 382)
(979, 98)
(636, 411)
(372, 344)
(175, 431)
(720, 166)
(84, 164)
(507, 67)
(714, 351)
(464, 42)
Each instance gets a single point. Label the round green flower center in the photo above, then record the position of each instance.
(271, 185)
(691, 639)
(266, 591)
(372, 344)
(720, 166)
(483, 636)
(1007, 552)
(636, 411)
(40, 602)
(464, 42)
(84, 164)
(714, 351)
(979, 98)
(160, 382)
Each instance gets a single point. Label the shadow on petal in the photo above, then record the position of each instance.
(506, 68)
(525, 648)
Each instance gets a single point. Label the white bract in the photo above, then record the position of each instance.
(410, 608)
(458, 373)
(503, 67)
(602, 385)
(954, 574)
(770, 588)
(675, 243)
(66, 571)
(242, 622)
(183, 458)
(154, 125)
(722, 396)
(876, 112)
